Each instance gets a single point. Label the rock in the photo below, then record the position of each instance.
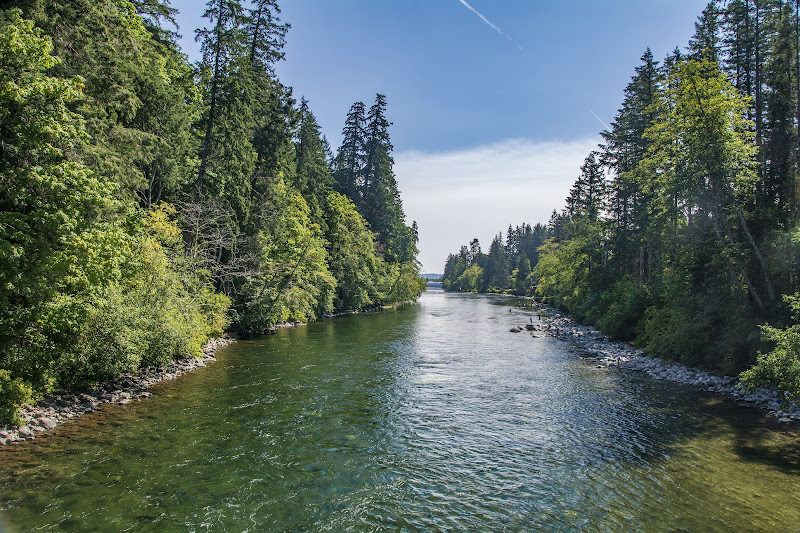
(47, 423)
(783, 420)
(25, 431)
(38, 429)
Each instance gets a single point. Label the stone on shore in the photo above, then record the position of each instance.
(47, 423)
(604, 352)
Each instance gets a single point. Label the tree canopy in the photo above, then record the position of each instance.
(148, 204)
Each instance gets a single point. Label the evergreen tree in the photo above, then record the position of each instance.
(495, 273)
(313, 176)
(588, 195)
(221, 45)
(381, 202)
(705, 44)
(625, 146)
(349, 162)
(776, 191)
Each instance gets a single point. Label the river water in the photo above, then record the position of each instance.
(431, 417)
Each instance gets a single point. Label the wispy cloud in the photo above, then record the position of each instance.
(459, 195)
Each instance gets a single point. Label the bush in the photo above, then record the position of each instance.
(626, 306)
(14, 393)
(779, 368)
(675, 333)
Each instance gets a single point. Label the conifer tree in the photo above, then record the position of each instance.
(313, 176)
(588, 195)
(705, 44)
(221, 45)
(349, 162)
(380, 197)
(495, 273)
(522, 275)
(625, 146)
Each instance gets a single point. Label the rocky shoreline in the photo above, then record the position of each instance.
(596, 347)
(60, 407)
(57, 408)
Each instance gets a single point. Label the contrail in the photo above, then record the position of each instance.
(600, 119)
(487, 21)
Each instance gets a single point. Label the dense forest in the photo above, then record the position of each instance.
(681, 231)
(148, 203)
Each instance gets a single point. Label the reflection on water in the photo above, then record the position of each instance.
(428, 418)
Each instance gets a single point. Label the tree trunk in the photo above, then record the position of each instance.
(750, 287)
(757, 251)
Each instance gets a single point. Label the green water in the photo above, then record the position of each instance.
(432, 417)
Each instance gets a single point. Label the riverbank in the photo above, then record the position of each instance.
(596, 347)
(55, 409)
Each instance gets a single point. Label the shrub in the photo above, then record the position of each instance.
(14, 393)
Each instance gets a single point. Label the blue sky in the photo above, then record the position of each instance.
(494, 104)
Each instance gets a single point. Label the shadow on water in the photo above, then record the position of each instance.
(760, 438)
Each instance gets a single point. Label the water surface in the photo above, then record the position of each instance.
(432, 417)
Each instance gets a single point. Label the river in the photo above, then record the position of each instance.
(430, 417)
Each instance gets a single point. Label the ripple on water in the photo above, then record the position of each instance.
(428, 418)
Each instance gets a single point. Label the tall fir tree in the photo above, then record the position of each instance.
(350, 158)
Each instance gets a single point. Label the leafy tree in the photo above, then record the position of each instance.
(522, 276)
(351, 254)
(89, 287)
(48, 204)
(289, 279)
(780, 367)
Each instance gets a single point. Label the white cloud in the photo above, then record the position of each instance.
(457, 196)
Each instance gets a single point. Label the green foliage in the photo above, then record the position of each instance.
(494, 270)
(626, 305)
(469, 280)
(521, 277)
(313, 177)
(780, 367)
(351, 254)
(14, 393)
(98, 275)
(294, 283)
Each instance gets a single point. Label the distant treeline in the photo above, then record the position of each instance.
(148, 203)
(681, 231)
